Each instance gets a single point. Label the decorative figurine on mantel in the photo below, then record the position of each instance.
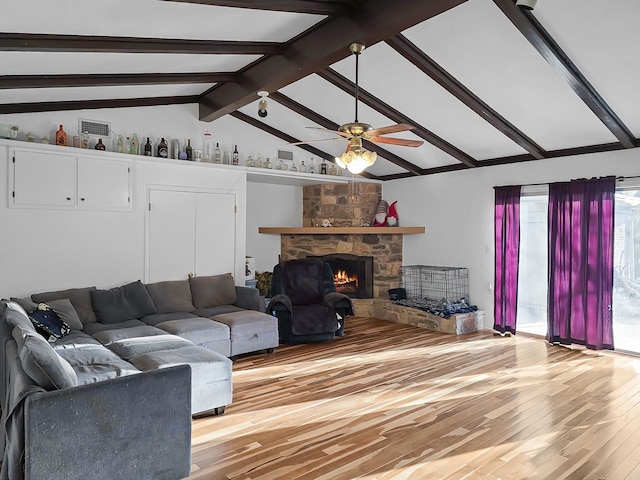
(326, 222)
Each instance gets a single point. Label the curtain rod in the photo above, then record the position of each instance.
(620, 178)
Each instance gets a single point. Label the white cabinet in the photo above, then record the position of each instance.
(42, 178)
(190, 233)
(54, 180)
(104, 183)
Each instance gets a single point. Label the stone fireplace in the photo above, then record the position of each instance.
(352, 274)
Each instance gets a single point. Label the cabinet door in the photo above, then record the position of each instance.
(44, 179)
(215, 233)
(190, 233)
(104, 184)
(172, 235)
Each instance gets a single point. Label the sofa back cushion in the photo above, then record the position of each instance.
(171, 296)
(212, 291)
(122, 303)
(14, 315)
(80, 298)
(41, 362)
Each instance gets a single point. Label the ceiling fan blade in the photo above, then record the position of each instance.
(397, 141)
(342, 134)
(314, 141)
(400, 127)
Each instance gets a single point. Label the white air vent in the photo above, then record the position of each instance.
(92, 127)
(285, 155)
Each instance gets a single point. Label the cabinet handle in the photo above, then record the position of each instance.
(82, 199)
(68, 198)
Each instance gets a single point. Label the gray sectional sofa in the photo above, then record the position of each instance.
(113, 396)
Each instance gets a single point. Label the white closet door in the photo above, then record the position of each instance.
(172, 234)
(190, 233)
(215, 233)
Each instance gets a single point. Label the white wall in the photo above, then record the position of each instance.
(457, 210)
(270, 206)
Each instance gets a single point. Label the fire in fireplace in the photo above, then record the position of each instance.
(352, 274)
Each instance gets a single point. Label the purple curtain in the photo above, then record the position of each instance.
(581, 262)
(507, 237)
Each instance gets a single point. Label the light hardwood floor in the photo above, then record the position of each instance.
(390, 401)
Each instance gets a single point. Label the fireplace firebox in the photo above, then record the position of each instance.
(352, 274)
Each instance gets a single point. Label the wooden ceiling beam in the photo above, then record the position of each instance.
(428, 66)
(39, 42)
(388, 111)
(326, 123)
(288, 138)
(370, 22)
(297, 6)
(542, 41)
(94, 80)
(36, 107)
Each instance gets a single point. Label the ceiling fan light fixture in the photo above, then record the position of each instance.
(356, 159)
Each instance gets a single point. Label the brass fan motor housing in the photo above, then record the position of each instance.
(355, 129)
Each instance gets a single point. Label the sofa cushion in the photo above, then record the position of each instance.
(80, 299)
(95, 327)
(171, 296)
(129, 348)
(109, 336)
(41, 362)
(212, 291)
(94, 362)
(67, 313)
(48, 323)
(213, 311)
(122, 303)
(156, 318)
(26, 303)
(15, 315)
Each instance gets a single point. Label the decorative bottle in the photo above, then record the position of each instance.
(250, 161)
(259, 163)
(225, 158)
(120, 147)
(236, 156)
(267, 164)
(217, 158)
(333, 170)
(84, 140)
(188, 150)
(61, 137)
(100, 145)
(163, 149)
(303, 167)
(135, 145)
(293, 167)
(312, 166)
(323, 167)
(148, 148)
(127, 145)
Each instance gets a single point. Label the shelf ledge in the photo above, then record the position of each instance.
(341, 230)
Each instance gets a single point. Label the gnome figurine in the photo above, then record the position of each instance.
(380, 219)
(392, 216)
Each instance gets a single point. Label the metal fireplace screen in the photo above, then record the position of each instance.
(442, 291)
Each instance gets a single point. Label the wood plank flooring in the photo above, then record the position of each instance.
(391, 401)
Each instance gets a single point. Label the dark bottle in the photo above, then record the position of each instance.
(323, 167)
(100, 145)
(61, 137)
(236, 156)
(148, 148)
(189, 150)
(163, 149)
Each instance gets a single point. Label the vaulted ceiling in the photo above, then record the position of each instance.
(483, 81)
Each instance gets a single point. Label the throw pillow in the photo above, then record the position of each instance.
(171, 296)
(67, 313)
(15, 315)
(48, 323)
(80, 299)
(122, 303)
(212, 291)
(25, 303)
(41, 362)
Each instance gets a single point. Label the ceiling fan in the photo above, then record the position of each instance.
(356, 158)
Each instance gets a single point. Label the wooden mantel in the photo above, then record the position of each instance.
(340, 230)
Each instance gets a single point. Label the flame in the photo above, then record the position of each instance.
(342, 277)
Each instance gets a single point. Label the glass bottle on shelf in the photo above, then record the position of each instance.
(236, 155)
(127, 145)
(259, 163)
(225, 158)
(120, 144)
(189, 150)
(61, 136)
(312, 166)
(206, 146)
(163, 149)
(280, 165)
(100, 145)
(148, 148)
(135, 145)
(323, 167)
(216, 155)
(267, 164)
(340, 171)
(332, 169)
(293, 167)
(84, 140)
(250, 162)
(303, 167)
